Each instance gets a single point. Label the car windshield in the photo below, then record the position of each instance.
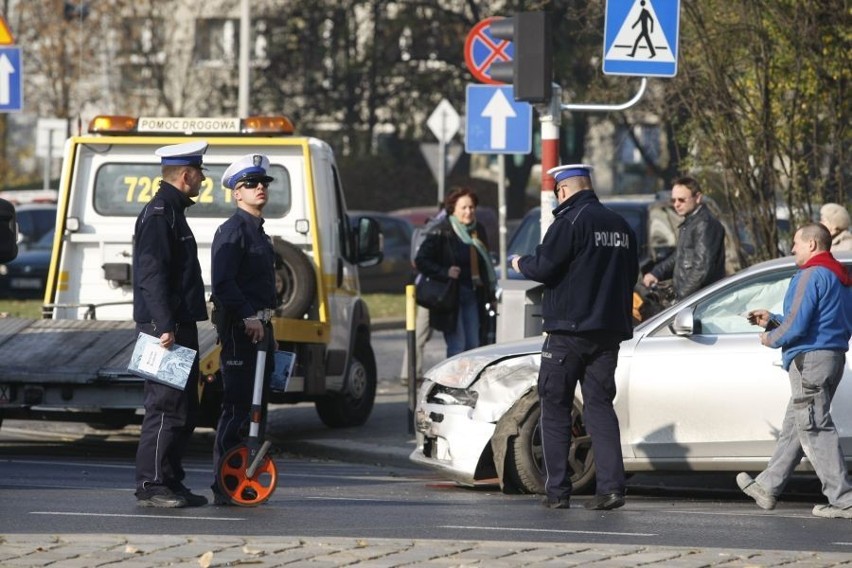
(45, 242)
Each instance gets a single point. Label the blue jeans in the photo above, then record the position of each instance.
(466, 334)
(808, 429)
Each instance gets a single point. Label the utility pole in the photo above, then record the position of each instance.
(4, 164)
(245, 20)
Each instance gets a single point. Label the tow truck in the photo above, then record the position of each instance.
(72, 363)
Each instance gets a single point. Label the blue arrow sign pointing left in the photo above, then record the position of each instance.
(496, 123)
(11, 91)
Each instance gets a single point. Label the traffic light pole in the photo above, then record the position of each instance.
(550, 116)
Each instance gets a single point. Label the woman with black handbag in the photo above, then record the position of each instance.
(457, 251)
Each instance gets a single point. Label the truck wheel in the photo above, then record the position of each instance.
(296, 282)
(525, 467)
(352, 407)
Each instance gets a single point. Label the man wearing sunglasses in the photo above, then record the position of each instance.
(699, 258)
(243, 268)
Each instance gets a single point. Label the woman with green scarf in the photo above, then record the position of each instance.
(458, 249)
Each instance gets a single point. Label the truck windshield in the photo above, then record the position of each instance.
(121, 189)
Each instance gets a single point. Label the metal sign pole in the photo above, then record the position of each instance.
(442, 170)
(501, 211)
(48, 159)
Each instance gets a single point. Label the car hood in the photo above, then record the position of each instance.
(31, 256)
(463, 369)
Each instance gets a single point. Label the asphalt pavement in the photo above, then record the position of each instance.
(385, 440)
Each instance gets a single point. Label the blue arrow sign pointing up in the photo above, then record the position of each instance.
(11, 92)
(496, 123)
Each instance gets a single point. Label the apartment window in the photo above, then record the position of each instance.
(217, 40)
(142, 40)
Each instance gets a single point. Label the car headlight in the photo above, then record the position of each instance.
(441, 394)
(4, 270)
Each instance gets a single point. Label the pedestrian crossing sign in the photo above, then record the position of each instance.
(641, 37)
(5, 35)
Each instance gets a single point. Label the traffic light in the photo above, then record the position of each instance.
(531, 69)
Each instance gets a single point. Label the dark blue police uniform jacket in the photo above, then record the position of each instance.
(167, 284)
(243, 266)
(588, 262)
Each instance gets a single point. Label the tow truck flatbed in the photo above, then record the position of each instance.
(73, 351)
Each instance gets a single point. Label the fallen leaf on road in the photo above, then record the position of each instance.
(248, 550)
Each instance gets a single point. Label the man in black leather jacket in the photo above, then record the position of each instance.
(699, 259)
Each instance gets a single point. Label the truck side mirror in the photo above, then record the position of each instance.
(8, 232)
(368, 242)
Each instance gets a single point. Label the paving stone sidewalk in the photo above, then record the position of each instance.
(96, 550)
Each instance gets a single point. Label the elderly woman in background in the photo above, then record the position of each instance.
(836, 220)
(457, 248)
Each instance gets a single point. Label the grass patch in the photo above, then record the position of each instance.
(21, 308)
(386, 305)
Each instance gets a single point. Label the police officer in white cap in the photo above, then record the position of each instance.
(588, 261)
(168, 300)
(243, 268)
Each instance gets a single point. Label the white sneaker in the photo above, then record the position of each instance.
(756, 491)
(832, 512)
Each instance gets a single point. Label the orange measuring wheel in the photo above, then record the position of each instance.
(234, 481)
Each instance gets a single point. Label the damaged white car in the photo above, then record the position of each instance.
(696, 391)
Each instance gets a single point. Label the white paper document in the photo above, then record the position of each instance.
(284, 363)
(168, 366)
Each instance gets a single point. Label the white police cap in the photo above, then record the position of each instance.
(186, 154)
(250, 166)
(560, 173)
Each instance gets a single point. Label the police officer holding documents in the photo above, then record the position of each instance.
(588, 263)
(243, 268)
(168, 300)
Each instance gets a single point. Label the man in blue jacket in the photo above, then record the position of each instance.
(588, 262)
(813, 335)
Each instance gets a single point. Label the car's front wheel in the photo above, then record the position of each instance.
(525, 465)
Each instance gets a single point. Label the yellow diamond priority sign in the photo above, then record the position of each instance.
(5, 35)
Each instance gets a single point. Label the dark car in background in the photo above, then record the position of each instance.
(651, 217)
(393, 273)
(34, 221)
(634, 208)
(26, 276)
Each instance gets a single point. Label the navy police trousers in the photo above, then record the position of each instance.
(590, 359)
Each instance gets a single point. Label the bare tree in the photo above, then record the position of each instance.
(763, 84)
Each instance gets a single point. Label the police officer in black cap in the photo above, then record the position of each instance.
(243, 265)
(168, 300)
(588, 262)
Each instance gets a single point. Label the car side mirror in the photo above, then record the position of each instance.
(8, 232)
(367, 238)
(684, 322)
